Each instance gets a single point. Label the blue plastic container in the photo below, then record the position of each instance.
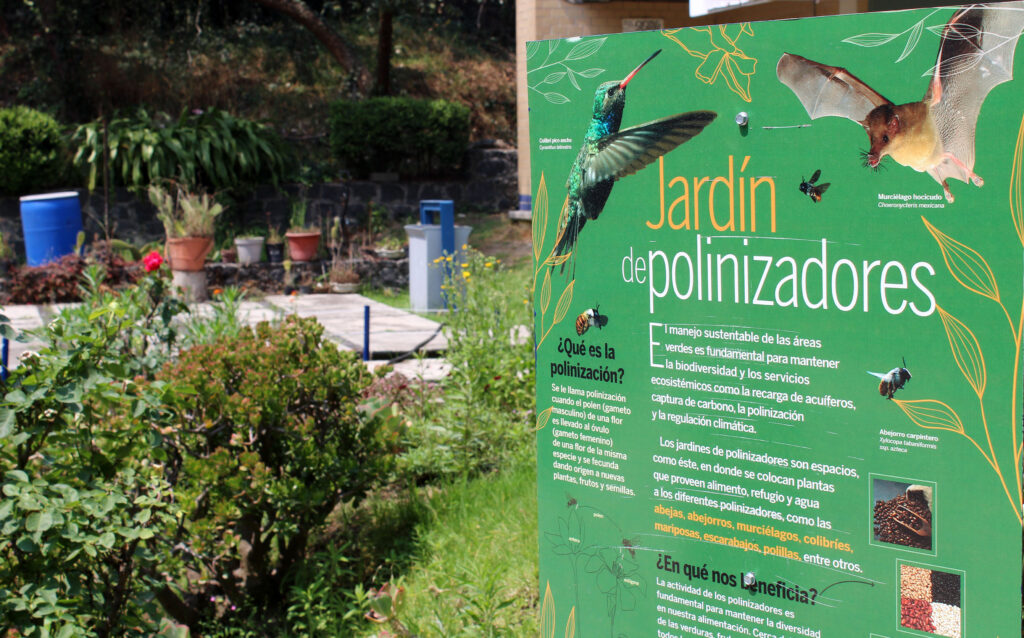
(50, 224)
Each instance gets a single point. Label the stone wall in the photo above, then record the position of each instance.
(490, 186)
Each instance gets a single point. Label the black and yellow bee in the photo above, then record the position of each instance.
(590, 317)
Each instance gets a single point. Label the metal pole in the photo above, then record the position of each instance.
(366, 333)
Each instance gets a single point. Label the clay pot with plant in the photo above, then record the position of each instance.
(188, 220)
(303, 240)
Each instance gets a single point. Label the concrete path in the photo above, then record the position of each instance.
(392, 331)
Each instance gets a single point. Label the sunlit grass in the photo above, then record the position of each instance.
(475, 564)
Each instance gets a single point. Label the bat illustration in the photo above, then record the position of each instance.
(609, 154)
(935, 135)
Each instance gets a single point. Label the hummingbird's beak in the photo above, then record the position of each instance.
(629, 77)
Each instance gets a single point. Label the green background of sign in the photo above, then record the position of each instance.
(598, 550)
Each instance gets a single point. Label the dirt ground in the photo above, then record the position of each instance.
(495, 234)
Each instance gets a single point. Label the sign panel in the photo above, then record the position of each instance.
(779, 312)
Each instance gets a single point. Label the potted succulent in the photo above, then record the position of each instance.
(188, 220)
(303, 240)
(343, 278)
(250, 249)
(389, 247)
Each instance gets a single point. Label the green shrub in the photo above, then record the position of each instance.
(417, 138)
(269, 440)
(31, 151)
(486, 416)
(209, 149)
(84, 496)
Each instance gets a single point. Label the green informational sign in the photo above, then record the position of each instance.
(778, 358)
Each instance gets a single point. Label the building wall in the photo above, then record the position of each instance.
(548, 19)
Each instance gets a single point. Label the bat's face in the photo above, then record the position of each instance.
(883, 126)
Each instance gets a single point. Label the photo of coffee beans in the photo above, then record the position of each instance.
(930, 601)
(905, 519)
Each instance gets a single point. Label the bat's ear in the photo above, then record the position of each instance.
(893, 125)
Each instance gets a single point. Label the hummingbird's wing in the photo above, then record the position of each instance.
(629, 150)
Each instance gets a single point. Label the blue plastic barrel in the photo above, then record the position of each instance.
(50, 224)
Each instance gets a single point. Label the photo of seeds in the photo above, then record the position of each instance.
(903, 513)
(930, 601)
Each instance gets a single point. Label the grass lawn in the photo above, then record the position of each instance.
(474, 569)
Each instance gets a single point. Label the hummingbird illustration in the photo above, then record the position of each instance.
(609, 154)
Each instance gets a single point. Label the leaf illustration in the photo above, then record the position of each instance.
(547, 614)
(931, 414)
(563, 219)
(956, 65)
(542, 418)
(871, 39)
(540, 217)
(585, 49)
(545, 292)
(573, 81)
(570, 625)
(912, 41)
(555, 98)
(531, 49)
(590, 73)
(553, 77)
(557, 260)
(552, 45)
(564, 301)
(965, 264)
(963, 31)
(1016, 199)
(966, 351)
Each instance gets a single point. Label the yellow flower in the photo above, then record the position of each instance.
(465, 274)
(448, 258)
(464, 266)
(465, 246)
(488, 264)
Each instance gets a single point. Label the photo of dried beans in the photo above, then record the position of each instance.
(930, 601)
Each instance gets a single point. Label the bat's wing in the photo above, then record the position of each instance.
(629, 150)
(975, 55)
(827, 90)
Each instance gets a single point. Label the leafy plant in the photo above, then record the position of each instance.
(404, 135)
(31, 151)
(185, 214)
(85, 499)
(297, 220)
(269, 440)
(488, 406)
(209, 149)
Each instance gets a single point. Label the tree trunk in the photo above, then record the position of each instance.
(385, 45)
(301, 13)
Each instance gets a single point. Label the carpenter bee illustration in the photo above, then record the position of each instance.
(628, 544)
(892, 380)
(570, 501)
(814, 192)
(590, 317)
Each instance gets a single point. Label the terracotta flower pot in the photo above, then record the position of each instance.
(302, 246)
(188, 253)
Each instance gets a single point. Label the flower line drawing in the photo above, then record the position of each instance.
(724, 59)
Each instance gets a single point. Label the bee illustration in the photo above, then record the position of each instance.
(628, 544)
(570, 501)
(892, 380)
(814, 192)
(590, 317)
